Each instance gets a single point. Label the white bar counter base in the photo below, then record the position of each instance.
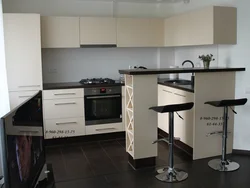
(141, 123)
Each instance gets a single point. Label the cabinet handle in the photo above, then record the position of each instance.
(63, 123)
(56, 94)
(104, 97)
(179, 95)
(25, 96)
(28, 131)
(66, 103)
(167, 91)
(105, 129)
(30, 86)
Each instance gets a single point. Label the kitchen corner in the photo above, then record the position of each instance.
(209, 84)
(88, 107)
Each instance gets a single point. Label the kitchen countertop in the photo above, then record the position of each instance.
(73, 85)
(178, 70)
(188, 88)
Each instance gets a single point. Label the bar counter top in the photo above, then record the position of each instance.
(178, 70)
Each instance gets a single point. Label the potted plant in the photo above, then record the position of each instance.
(206, 60)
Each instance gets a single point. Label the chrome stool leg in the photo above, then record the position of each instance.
(223, 164)
(170, 174)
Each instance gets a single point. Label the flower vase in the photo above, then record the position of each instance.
(206, 64)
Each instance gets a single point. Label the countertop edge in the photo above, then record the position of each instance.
(74, 85)
(181, 70)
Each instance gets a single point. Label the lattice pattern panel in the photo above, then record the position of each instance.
(129, 118)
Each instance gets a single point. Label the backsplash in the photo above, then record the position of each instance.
(71, 65)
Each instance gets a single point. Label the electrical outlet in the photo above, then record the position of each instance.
(52, 70)
(248, 90)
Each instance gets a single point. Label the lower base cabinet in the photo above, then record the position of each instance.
(60, 128)
(104, 128)
(183, 129)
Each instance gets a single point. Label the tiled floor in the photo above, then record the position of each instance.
(104, 165)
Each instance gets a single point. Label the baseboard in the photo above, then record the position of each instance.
(241, 152)
(87, 138)
(178, 144)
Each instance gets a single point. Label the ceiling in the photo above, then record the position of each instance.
(145, 1)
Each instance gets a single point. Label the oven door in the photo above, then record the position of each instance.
(103, 109)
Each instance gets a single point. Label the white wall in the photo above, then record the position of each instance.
(4, 96)
(75, 64)
(238, 56)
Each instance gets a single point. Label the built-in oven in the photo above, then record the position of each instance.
(103, 105)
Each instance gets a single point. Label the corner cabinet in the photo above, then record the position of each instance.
(183, 129)
(97, 31)
(134, 32)
(211, 25)
(60, 32)
(22, 37)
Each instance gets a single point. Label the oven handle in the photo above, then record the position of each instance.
(103, 97)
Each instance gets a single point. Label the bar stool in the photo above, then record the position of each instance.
(224, 164)
(171, 174)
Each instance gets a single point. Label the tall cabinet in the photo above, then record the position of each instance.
(23, 56)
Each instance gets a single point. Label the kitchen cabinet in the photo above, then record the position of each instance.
(63, 112)
(211, 25)
(183, 129)
(137, 32)
(97, 31)
(104, 128)
(22, 37)
(18, 97)
(60, 32)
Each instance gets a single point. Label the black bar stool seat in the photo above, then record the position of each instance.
(230, 102)
(224, 164)
(173, 107)
(171, 174)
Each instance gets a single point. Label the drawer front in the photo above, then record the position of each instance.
(63, 94)
(16, 98)
(63, 108)
(58, 128)
(26, 131)
(105, 128)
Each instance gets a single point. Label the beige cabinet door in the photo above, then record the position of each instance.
(183, 128)
(211, 25)
(165, 97)
(134, 32)
(22, 35)
(97, 31)
(60, 32)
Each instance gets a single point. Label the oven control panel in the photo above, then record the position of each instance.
(103, 90)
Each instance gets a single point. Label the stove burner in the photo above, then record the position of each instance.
(94, 81)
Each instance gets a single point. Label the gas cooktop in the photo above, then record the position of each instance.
(94, 81)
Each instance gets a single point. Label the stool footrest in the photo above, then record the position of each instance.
(165, 140)
(216, 133)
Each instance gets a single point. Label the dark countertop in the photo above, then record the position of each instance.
(178, 70)
(188, 88)
(74, 85)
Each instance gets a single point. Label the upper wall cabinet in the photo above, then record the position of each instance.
(133, 32)
(22, 36)
(212, 25)
(60, 32)
(97, 31)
